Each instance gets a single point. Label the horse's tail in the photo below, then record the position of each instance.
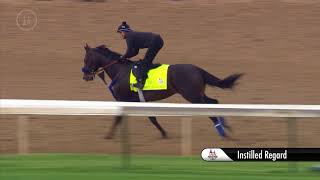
(228, 82)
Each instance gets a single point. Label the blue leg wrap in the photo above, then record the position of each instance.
(110, 87)
(221, 120)
(218, 123)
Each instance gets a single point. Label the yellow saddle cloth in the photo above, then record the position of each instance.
(157, 79)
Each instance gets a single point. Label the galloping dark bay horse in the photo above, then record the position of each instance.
(185, 79)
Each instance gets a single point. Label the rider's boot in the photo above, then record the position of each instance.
(142, 75)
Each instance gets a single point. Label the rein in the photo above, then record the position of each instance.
(100, 70)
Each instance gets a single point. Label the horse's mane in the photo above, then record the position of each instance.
(102, 49)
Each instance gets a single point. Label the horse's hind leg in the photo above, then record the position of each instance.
(197, 96)
(219, 122)
(116, 122)
(155, 123)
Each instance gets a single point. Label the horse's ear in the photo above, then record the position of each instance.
(86, 47)
(106, 47)
(102, 46)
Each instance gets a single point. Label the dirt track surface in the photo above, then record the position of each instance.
(276, 43)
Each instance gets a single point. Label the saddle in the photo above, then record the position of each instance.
(137, 68)
(155, 77)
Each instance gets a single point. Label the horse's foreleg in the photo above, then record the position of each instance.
(116, 122)
(155, 123)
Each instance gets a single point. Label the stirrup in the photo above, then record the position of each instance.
(139, 85)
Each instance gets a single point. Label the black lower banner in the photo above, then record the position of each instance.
(261, 154)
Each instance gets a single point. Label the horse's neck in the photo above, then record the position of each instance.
(116, 69)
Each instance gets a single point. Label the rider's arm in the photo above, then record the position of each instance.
(131, 50)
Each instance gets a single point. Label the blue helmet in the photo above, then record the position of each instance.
(124, 27)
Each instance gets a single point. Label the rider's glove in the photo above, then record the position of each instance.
(122, 59)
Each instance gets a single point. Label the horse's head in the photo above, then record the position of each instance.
(91, 64)
(96, 58)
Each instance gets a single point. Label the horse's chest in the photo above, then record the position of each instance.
(118, 89)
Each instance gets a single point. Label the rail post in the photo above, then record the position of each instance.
(186, 136)
(125, 141)
(292, 141)
(23, 135)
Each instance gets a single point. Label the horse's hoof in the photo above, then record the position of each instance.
(227, 127)
(108, 137)
(165, 136)
(229, 138)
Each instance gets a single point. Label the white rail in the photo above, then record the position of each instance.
(61, 107)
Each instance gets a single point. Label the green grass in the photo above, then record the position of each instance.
(105, 167)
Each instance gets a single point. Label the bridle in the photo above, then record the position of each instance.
(99, 70)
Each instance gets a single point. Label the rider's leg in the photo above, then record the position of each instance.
(151, 53)
(147, 61)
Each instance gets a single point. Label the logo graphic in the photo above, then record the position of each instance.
(26, 20)
(212, 155)
(160, 81)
